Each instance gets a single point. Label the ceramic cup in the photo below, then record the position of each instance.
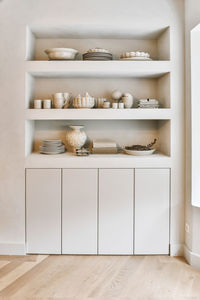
(37, 104)
(114, 105)
(121, 105)
(106, 104)
(58, 103)
(47, 103)
(100, 102)
(58, 95)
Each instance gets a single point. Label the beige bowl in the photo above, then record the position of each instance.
(61, 53)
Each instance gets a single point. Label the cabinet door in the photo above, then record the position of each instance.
(116, 211)
(43, 210)
(152, 211)
(79, 211)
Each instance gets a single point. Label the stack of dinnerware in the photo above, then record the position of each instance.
(135, 55)
(61, 53)
(104, 146)
(148, 103)
(85, 101)
(52, 147)
(97, 54)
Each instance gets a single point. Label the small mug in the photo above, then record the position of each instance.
(106, 104)
(47, 103)
(114, 105)
(37, 104)
(100, 102)
(121, 105)
(57, 95)
(59, 103)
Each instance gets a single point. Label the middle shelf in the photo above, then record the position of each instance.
(98, 114)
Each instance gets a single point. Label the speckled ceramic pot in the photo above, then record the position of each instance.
(75, 138)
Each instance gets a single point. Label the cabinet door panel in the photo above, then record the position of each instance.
(116, 211)
(79, 211)
(43, 210)
(152, 211)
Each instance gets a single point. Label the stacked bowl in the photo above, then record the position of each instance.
(52, 147)
(97, 54)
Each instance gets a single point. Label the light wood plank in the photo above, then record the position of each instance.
(101, 277)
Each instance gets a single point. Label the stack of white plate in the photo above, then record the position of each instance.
(135, 55)
(52, 147)
(97, 54)
(148, 103)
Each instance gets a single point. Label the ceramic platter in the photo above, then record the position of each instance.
(139, 153)
(136, 58)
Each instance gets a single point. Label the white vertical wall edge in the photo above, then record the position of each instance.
(176, 249)
(192, 258)
(12, 249)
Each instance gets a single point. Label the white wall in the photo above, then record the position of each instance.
(192, 18)
(14, 16)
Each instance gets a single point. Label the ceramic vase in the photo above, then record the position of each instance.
(127, 99)
(75, 138)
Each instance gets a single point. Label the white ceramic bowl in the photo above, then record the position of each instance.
(84, 102)
(61, 53)
(138, 152)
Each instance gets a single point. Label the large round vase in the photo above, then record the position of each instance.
(75, 138)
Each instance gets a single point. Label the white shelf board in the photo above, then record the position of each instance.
(144, 69)
(69, 160)
(99, 114)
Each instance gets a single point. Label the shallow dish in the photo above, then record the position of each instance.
(61, 53)
(139, 153)
(135, 58)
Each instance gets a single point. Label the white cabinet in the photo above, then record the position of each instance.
(116, 211)
(98, 211)
(43, 211)
(152, 188)
(79, 211)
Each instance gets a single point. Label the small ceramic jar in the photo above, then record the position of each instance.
(121, 105)
(114, 105)
(106, 104)
(37, 104)
(47, 103)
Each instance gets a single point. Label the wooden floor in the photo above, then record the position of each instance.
(42, 277)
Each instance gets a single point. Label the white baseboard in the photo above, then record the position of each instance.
(192, 258)
(12, 249)
(176, 249)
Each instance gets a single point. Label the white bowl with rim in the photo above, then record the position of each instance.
(61, 53)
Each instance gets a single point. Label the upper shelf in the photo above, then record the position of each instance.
(147, 69)
(117, 39)
(98, 114)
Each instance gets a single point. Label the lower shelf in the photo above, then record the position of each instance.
(69, 160)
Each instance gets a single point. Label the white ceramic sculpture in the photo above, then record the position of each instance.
(75, 138)
(116, 95)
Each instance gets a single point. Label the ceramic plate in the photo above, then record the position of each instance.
(135, 58)
(51, 153)
(139, 153)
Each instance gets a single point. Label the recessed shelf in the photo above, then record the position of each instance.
(98, 114)
(139, 69)
(69, 160)
(82, 37)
